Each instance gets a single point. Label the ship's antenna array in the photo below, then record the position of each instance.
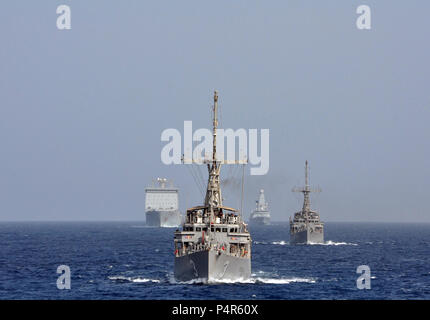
(198, 179)
(306, 190)
(213, 197)
(213, 163)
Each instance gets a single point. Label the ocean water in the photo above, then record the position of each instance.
(126, 260)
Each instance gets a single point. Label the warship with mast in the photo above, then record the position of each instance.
(306, 227)
(214, 243)
(261, 214)
(161, 204)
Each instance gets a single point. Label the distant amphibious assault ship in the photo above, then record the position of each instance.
(161, 205)
(214, 243)
(261, 214)
(306, 227)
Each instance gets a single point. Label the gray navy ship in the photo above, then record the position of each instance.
(161, 205)
(306, 227)
(261, 214)
(214, 243)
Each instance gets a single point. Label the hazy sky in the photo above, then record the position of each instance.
(82, 110)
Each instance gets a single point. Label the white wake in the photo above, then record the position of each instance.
(332, 243)
(252, 280)
(259, 280)
(132, 279)
(326, 243)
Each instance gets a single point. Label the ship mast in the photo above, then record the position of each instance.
(306, 190)
(213, 199)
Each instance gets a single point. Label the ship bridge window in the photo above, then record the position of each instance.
(218, 230)
(224, 229)
(233, 248)
(212, 229)
(198, 229)
(205, 229)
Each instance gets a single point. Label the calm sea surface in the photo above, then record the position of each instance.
(126, 260)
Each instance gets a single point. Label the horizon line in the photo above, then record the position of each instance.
(276, 221)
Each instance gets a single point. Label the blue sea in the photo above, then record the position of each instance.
(126, 260)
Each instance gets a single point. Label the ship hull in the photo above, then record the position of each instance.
(259, 221)
(306, 237)
(209, 265)
(163, 218)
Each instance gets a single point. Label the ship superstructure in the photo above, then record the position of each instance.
(306, 227)
(161, 204)
(261, 214)
(214, 243)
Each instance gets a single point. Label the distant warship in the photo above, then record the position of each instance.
(161, 205)
(306, 227)
(214, 243)
(261, 214)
